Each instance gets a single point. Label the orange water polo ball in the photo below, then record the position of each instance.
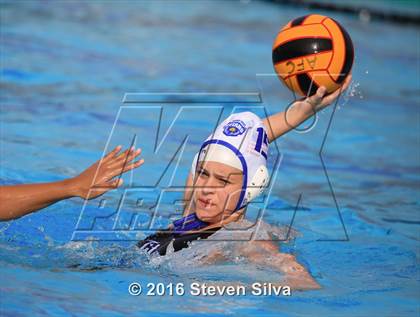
(313, 51)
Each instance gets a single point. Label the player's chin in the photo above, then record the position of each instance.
(207, 215)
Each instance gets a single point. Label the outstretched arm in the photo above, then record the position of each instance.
(282, 122)
(19, 200)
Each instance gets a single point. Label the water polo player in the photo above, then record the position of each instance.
(227, 173)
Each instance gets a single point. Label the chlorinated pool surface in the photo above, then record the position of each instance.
(65, 68)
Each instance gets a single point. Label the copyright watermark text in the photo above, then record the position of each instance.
(204, 289)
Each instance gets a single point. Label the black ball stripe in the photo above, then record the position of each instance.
(300, 47)
(306, 83)
(299, 20)
(348, 60)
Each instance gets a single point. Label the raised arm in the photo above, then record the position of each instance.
(282, 122)
(19, 200)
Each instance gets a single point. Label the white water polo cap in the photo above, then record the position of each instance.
(239, 141)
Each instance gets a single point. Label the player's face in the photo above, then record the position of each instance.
(217, 189)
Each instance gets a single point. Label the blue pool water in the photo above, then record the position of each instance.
(65, 68)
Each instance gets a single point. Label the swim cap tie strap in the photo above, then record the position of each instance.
(188, 223)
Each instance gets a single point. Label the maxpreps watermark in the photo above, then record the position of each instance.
(152, 196)
(204, 289)
(140, 206)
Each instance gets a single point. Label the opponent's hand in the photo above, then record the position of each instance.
(99, 177)
(319, 100)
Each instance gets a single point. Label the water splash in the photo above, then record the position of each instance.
(352, 92)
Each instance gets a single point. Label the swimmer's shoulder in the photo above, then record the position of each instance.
(259, 229)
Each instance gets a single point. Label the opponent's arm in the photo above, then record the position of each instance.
(282, 122)
(19, 200)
